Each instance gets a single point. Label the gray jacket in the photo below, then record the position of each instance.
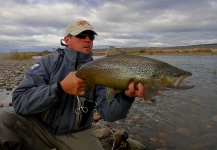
(35, 95)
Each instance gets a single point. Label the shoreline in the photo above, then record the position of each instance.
(163, 54)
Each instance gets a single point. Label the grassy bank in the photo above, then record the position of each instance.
(14, 55)
(160, 51)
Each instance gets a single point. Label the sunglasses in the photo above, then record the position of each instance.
(84, 34)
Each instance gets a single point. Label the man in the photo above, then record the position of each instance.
(53, 109)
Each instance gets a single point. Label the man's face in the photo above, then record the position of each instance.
(82, 42)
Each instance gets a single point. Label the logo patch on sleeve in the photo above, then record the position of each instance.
(37, 66)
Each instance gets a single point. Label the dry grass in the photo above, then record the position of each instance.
(14, 55)
(161, 51)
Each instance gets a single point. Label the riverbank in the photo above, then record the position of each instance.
(13, 71)
(168, 52)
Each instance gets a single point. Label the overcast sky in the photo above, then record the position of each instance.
(27, 25)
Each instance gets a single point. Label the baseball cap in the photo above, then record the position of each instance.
(77, 26)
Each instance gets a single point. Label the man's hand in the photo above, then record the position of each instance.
(73, 85)
(139, 92)
(132, 92)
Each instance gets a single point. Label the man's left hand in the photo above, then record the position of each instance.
(139, 91)
(133, 92)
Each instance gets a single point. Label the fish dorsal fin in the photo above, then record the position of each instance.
(112, 51)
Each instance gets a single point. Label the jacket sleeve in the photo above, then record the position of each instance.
(117, 109)
(34, 94)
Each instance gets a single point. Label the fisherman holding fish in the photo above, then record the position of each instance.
(53, 108)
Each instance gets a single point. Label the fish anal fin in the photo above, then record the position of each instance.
(149, 92)
(110, 94)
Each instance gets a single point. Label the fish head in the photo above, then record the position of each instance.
(174, 77)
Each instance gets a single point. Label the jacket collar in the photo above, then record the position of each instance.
(74, 56)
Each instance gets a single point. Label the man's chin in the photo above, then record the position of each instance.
(86, 50)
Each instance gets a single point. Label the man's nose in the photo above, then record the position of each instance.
(87, 38)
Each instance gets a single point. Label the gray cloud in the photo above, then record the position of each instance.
(39, 25)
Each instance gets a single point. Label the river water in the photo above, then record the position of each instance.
(180, 119)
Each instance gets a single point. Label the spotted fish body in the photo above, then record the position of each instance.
(117, 70)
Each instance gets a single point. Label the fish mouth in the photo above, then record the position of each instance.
(179, 83)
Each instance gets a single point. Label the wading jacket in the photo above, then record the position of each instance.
(36, 95)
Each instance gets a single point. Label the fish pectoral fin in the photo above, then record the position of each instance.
(149, 92)
(110, 94)
(90, 86)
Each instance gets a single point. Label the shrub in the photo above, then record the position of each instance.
(15, 55)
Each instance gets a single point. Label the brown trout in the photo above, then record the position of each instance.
(117, 70)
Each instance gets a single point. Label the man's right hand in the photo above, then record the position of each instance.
(73, 85)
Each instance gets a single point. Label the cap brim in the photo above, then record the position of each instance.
(76, 32)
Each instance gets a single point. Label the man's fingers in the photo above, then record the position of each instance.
(81, 93)
(73, 85)
(74, 76)
(132, 87)
(140, 91)
(133, 91)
